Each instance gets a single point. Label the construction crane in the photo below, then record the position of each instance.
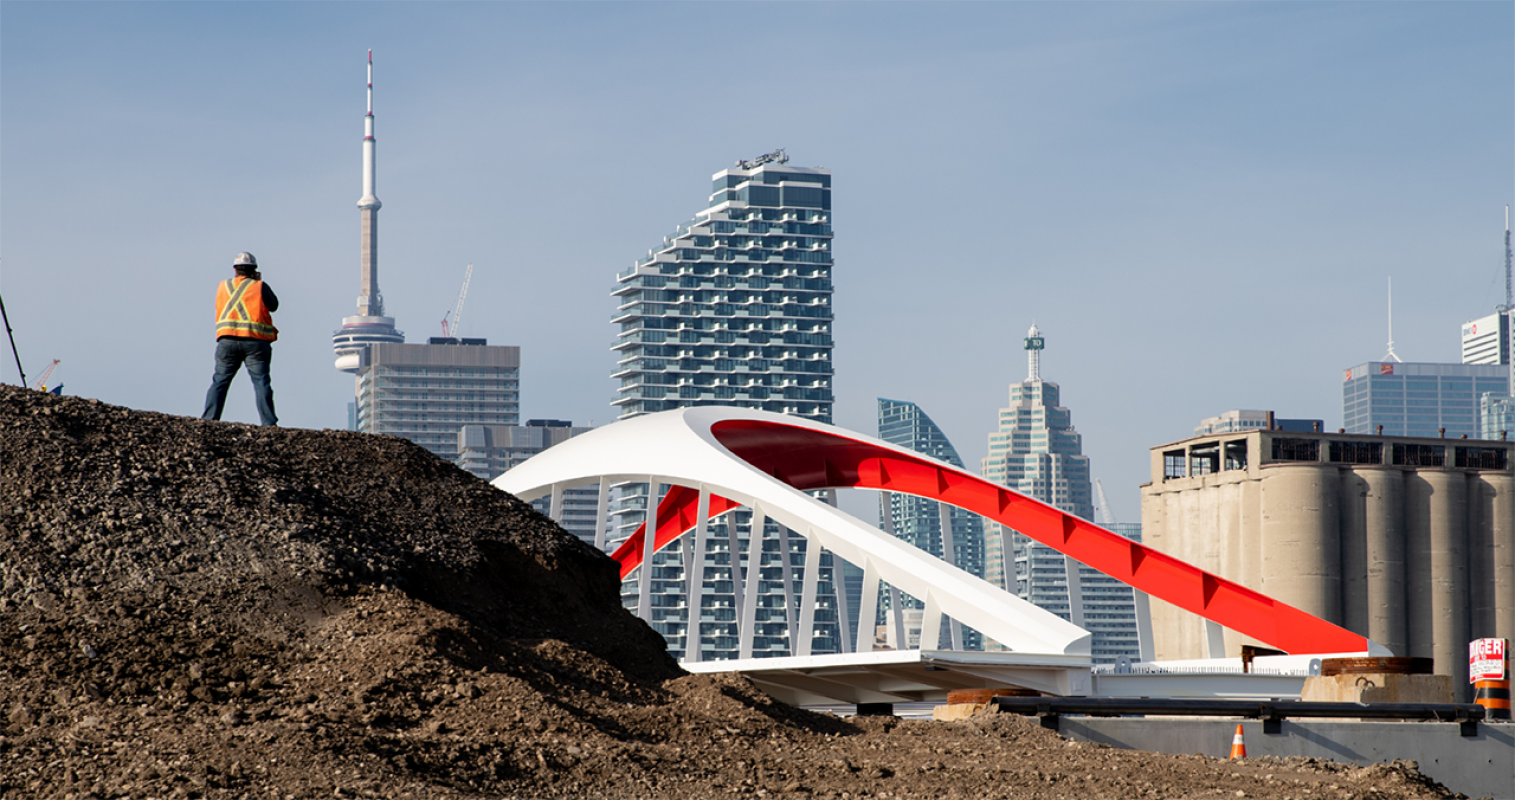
(455, 326)
(41, 384)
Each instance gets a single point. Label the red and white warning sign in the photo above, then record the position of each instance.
(1486, 660)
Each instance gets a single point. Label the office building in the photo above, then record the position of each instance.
(1037, 452)
(489, 450)
(428, 392)
(1241, 420)
(1408, 541)
(1486, 340)
(733, 308)
(1417, 399)
(1496, 417)
(945, 531)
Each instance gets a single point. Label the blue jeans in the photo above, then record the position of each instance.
(230, 355)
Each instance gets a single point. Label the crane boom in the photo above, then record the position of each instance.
(451, 320)
(457, 310)
(41, 384)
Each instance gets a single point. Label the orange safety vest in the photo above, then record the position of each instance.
(240, 310)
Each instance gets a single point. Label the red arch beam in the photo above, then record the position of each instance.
(808, 459)
(677, 515)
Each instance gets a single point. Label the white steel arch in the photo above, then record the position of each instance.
(679, 448)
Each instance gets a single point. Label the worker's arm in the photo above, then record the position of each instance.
(270, 300)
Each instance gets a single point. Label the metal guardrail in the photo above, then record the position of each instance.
(1049, 709)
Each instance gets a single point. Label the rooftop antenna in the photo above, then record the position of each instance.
(1509, 307)
(1509, 290)
(1034, 345)
(1391, 324)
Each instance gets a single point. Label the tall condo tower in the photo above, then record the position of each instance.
(369, 326)
(733, 308)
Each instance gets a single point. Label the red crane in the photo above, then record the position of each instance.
(41, 384)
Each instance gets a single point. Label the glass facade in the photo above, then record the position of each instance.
(921, 522)
(1418, 399)
(427, 392)
(1036, 451)
(733, 308)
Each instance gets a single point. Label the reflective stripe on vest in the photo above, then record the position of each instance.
(240, 310)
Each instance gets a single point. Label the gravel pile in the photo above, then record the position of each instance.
(204, 609)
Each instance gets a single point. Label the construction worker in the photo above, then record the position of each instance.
(245, 332)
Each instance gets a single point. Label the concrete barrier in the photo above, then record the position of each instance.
(1482, 765)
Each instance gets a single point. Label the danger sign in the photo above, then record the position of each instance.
(1486, 660)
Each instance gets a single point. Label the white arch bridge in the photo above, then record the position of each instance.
(715, 459)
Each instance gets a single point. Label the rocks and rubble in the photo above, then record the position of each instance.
(204, 609)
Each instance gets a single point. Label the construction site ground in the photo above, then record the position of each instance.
(204, 609)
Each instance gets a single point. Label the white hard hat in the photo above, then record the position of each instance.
(244, 260)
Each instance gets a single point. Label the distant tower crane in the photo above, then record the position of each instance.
(41, 384)
(455, 327)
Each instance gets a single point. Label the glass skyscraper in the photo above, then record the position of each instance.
(1418, 399)
(1037, 452)
(734, 308)
(922, 522)
(427, 392)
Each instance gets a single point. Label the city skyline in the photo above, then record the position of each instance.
(1255, 170)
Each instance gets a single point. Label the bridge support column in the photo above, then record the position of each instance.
(867, 615)
(810, 587)
(649, 549)
(754, 577)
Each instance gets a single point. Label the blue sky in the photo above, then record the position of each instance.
(1198, 203)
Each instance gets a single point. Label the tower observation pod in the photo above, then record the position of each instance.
(369, 326)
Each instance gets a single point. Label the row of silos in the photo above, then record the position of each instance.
(1420, 560)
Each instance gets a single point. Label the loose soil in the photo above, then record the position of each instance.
(204, 609)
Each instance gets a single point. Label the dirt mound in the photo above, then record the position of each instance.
(205, 609)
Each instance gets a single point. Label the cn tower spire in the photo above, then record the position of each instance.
(370, 302)
(369, 326)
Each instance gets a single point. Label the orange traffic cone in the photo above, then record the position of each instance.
(1238, 747)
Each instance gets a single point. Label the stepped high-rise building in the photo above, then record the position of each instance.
(1037, 452)
(422, 392)
(733, 308)
(943, 530)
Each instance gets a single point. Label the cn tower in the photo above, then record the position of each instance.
(370, 326)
